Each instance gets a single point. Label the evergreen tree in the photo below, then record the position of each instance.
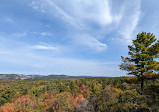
(143, 52)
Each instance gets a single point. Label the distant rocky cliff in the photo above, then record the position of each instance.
(22, 76)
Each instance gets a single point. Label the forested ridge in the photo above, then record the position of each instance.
(52, 76)
(103, 94)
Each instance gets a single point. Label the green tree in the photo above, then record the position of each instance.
(143, 52)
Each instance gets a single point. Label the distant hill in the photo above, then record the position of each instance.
(14, 76)
(22, 76)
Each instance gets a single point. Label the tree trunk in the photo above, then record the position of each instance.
(142, 85)
(142, 81)
(153, 81)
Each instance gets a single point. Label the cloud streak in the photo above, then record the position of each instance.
(81, 16)
(44, 47)
(129, 22)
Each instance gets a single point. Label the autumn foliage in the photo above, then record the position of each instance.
(118, 94)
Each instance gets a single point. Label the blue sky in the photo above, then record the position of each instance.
(73, 37)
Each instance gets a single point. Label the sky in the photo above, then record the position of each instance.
(72, 37)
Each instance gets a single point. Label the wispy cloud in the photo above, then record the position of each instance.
(46, 34)
(83, 15)
(44, 47)
(129, 22)
(76, 14)
(89, 41)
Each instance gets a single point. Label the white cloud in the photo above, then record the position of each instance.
(44, 47)
(87, 15)
(46, 34)
(130, 21)
(89, 41)
(79, 14)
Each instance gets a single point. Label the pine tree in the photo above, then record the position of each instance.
(142, 63)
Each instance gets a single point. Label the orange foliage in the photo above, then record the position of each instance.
(19, 104)
(85, 90)
(2, 86)
(77, 100)
(9, 107)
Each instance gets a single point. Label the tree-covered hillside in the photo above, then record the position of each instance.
(22, 76)
(120, 94)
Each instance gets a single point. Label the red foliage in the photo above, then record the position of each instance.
(77, 100)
